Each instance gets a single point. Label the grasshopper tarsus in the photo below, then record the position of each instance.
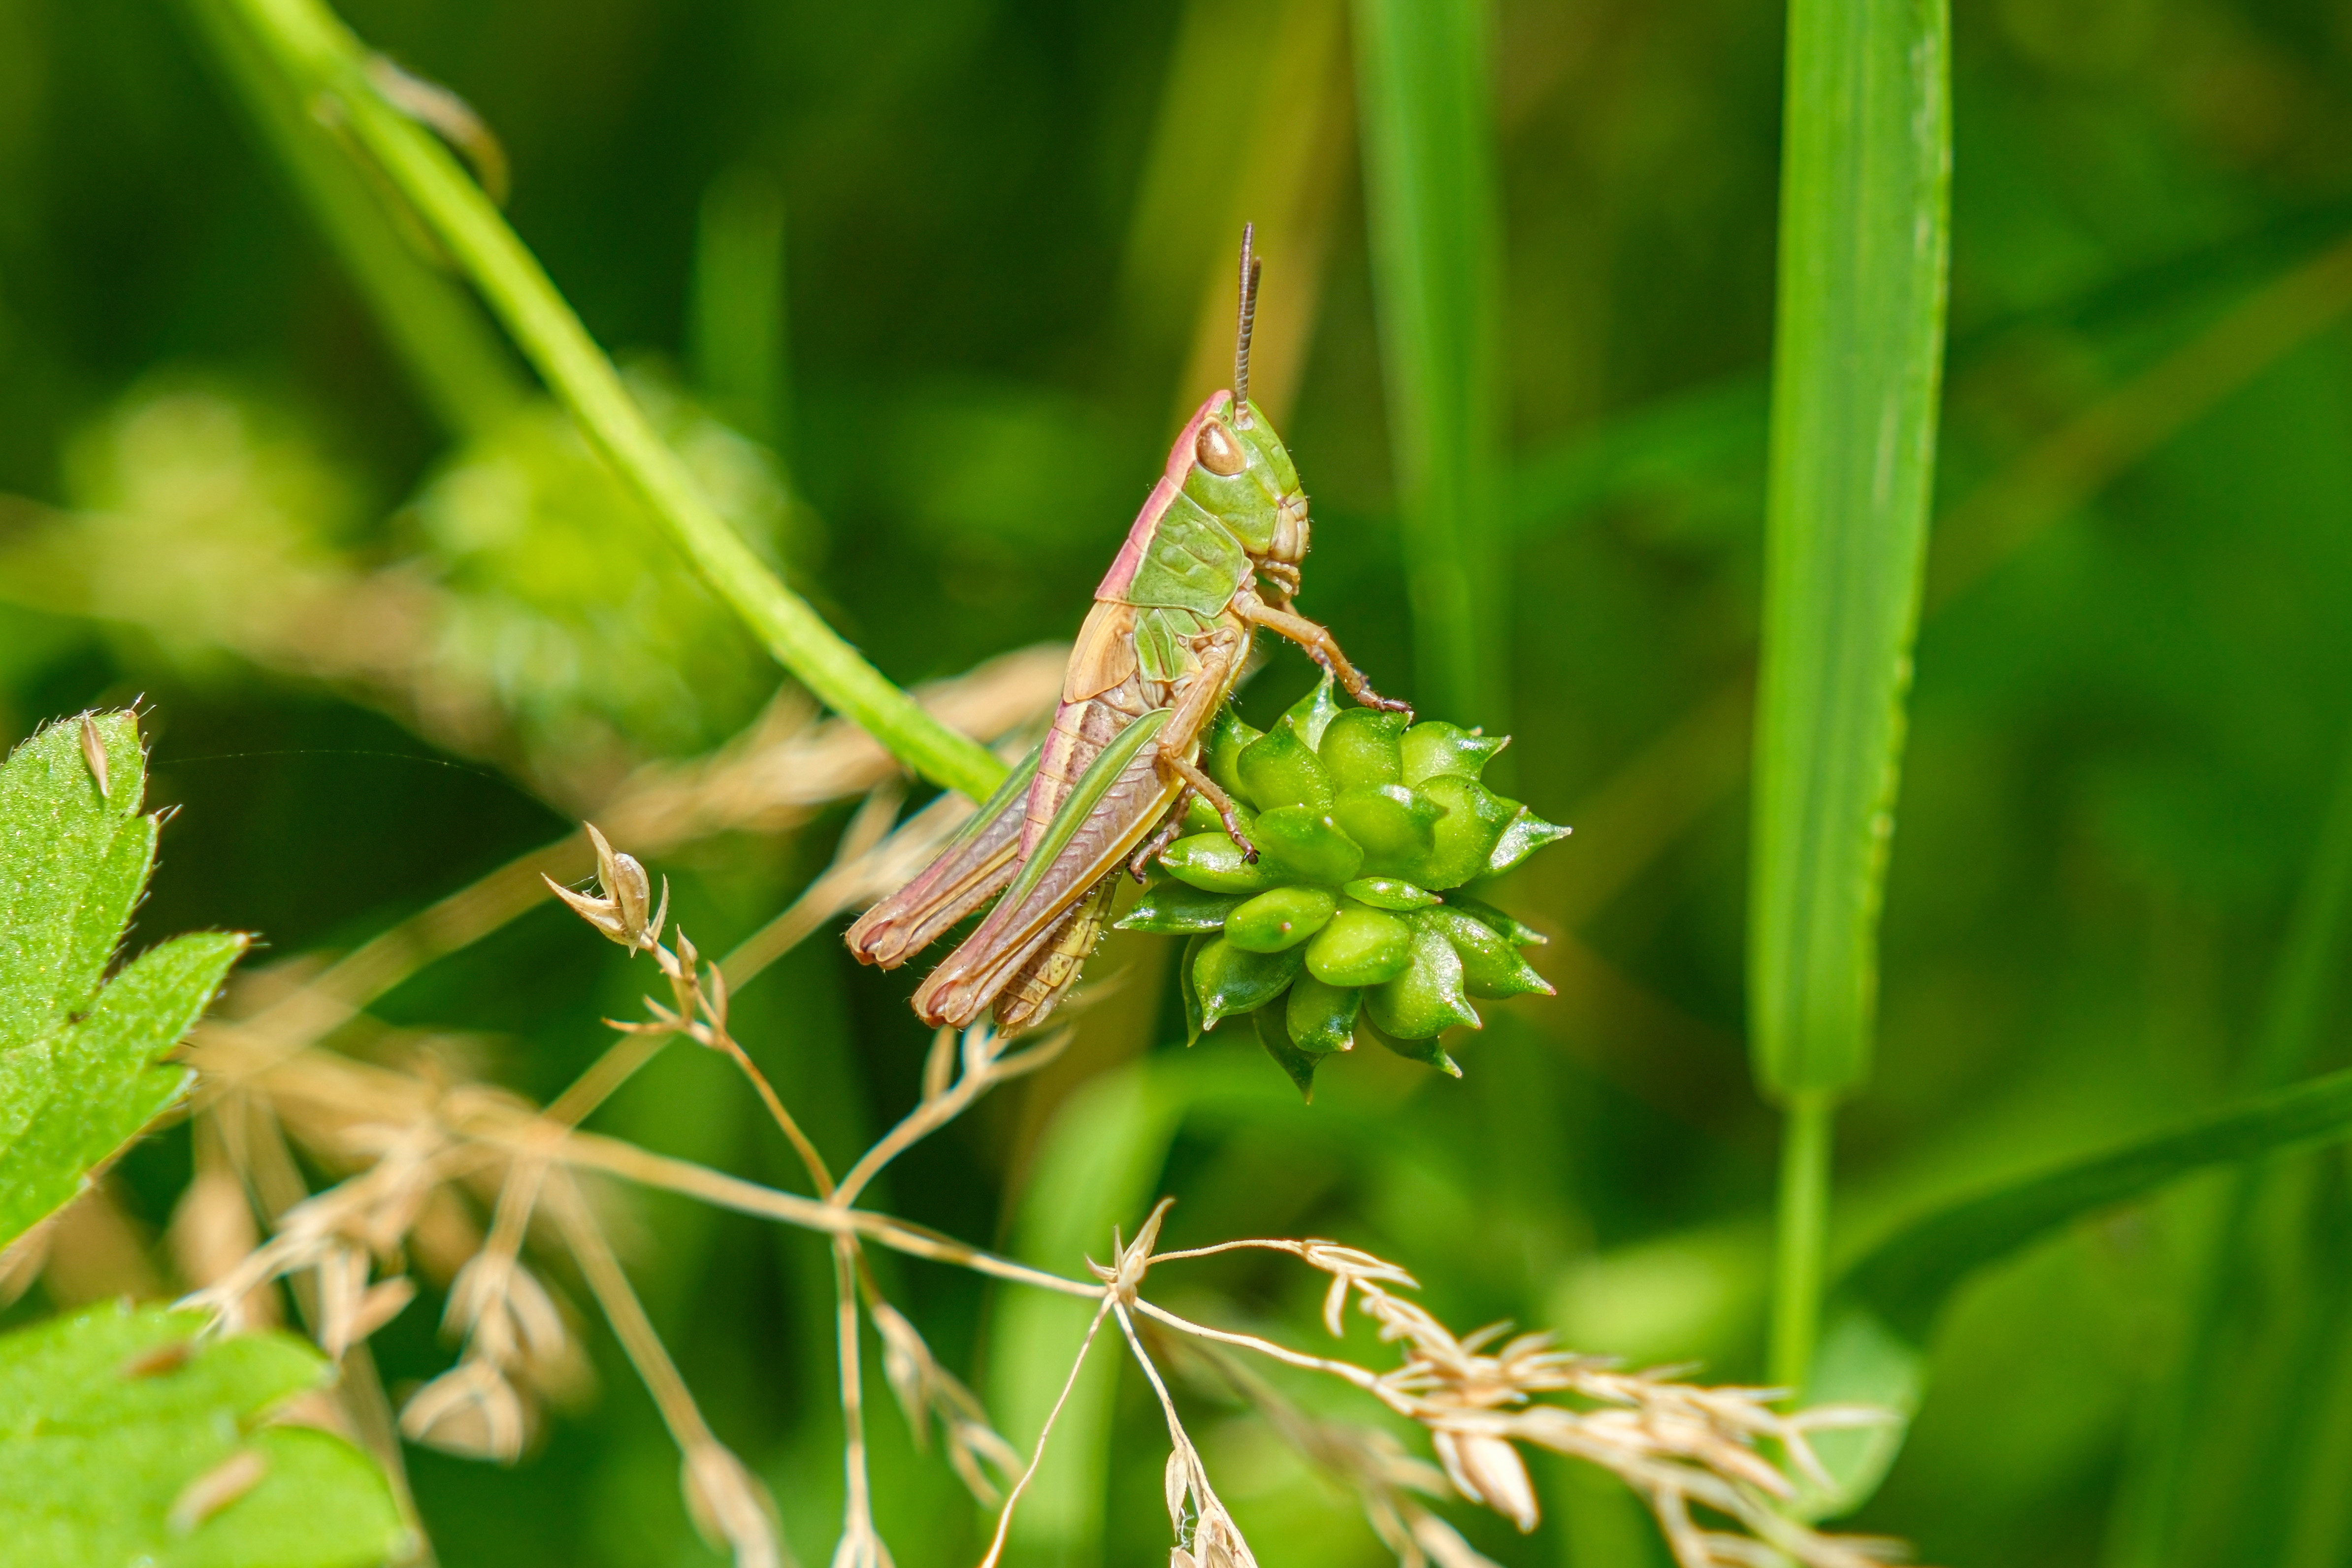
(1318, 645)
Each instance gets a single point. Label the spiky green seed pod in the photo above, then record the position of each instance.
(1349, 924)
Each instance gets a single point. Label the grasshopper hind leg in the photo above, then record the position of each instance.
(1164, 838)
(1041, 983)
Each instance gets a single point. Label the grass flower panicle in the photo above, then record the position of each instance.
(418, 1140)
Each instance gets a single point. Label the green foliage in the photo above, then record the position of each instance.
(1857, 362)
(1006, 222)
(79, 1055)
(1874, 1348)
(126, 1437)
(1296, 937)
(1857, 367)
(563, 597)
(308, 43)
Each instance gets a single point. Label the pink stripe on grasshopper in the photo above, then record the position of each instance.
(1130, 560)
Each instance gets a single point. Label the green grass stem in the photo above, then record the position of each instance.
(1857, 364)
(1800, 1238)
(326, 65)
(1424, 84)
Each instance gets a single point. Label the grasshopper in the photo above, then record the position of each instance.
(1212, 557)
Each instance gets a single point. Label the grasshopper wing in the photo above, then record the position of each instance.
(1117, 803)
(976, 863)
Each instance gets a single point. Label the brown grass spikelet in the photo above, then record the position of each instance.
(1489, 1470)
(470, 1411)
(730, 1509)
(620, 913)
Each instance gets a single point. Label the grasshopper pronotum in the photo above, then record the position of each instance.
(1212, 556)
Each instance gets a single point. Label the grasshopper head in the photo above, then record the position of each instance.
(1243, 475)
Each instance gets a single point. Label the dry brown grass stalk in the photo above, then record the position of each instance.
(417, 1139)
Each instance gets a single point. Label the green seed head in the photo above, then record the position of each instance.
(1350, 923)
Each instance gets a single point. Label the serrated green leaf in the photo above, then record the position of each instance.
(1872, 1348)
(72, 863)
(80, 1068)
(107, 1417)
(68, 1102)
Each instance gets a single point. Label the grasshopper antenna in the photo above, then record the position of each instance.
(1248, 320)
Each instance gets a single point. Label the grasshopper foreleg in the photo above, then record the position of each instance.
(1212, 792)
(1320, 647)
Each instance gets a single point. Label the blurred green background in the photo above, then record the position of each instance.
(919, 291)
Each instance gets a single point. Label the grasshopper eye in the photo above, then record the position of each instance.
(1219, 452)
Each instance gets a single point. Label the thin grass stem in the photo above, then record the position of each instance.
(618, 1301)
(326, 63)
(1800, 1238)
(857, 1502)
(1037, 1454)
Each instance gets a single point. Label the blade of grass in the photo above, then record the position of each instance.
(1656, 796)
(1857, 359)
(737, 336)
(1423, 82)
(325, 64)
(2151, 1505)
(465, 375)
(1885, 1307)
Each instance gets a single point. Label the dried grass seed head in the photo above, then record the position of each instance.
(621, 913)
(731, 1510)
(469, 1411)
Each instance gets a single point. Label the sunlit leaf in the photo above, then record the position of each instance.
(80, 1068)
(126, 1439)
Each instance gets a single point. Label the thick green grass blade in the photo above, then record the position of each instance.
(1423, 83)
(1873, 1351)
(1856, 363)
(79, 1060)
(110, 1422)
